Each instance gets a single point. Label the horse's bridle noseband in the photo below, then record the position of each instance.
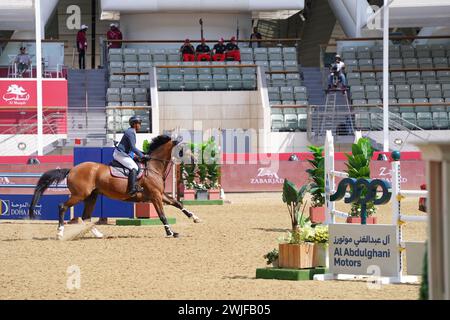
(166, 174)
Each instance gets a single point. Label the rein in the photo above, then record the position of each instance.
(166, 174)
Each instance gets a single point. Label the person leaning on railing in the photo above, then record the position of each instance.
(219, 51)
(114, 34)
(187, 50)
(23, 62)
(203, 51)
(233, 53)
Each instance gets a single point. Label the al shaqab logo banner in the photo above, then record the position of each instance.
(16, 95)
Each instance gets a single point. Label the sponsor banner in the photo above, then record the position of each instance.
(17, 206)
(22, 93)
(363, 250)
(257, 177)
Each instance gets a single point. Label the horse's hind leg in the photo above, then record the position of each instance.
(89, 205)
(158, 203)
(73, 200)
(167, 199)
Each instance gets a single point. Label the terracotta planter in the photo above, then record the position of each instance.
(296, 256)
(145, 210)
(275, 264)
(189, 194)
(317, 214)
(369, 220)
(214, 194)
(320, 255)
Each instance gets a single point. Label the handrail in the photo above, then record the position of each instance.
(128, 108)
(210, 41)
(32, 40)
(400, 70)
(283, 106)
(392, 37)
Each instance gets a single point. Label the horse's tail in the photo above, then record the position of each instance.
(44, 182)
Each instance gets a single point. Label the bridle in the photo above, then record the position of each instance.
(166, 174)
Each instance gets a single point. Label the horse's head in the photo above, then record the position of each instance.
(165, 148)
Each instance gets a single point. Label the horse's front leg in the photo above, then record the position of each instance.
(168, 199)
(157, 201)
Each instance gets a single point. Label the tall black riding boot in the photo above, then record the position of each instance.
(132, 182)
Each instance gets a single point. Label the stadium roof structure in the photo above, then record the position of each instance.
(417, 13)
(19, 14)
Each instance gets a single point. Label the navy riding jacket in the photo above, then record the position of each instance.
(128, 143)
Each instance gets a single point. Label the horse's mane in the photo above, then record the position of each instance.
(158, 141)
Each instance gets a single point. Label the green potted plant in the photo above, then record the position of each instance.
(294, 252)
(320, 246)
(317, 186)
(272, 258)
(358, 166)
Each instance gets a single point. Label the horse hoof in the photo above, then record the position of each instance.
(59, 237)
(175, 235)
(197, 220)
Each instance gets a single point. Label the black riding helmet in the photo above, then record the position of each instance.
(134, 119)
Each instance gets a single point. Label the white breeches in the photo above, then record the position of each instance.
(125, 160)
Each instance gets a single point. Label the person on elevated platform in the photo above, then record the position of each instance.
(187, 50)
(203, 51)
(233, 53)
(23, 62)
(82, 46)
(337, 69)
(219, 51)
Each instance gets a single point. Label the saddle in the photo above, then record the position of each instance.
(117, 170)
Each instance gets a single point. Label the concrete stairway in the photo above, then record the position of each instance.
(312, 80)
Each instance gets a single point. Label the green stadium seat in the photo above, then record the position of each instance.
(348, 55)
(438, 51)
(290, 119)
(302, 121)
(130, 54)
(418, 91)
(130, 66)
(368, 78)
(145, 66)
(263, 64)
(354, 79)
(203, 67)
(395, 63)
(140, 95)
(372, 92)
(276, 111)
(234, 82)
(428, 77)
(377, 52)
(277, 121)
(220, 82)
(421, 108)
(278, 80)
(131, 81)
(446, 90)
(407, 51)
(365, 64)
(190, 82)
(443, 76)
(409, 120)
(363, 52)
(144, 55)
(290, 53)
(113, 95)
(249, 81)
(205, 81)
(423, 51)
(126, 94)
(302, 103)
(144, 81)
(300, 93)
(160, 70)
(413, 77)
(425, 63)
(176, 82)
(173, 55)
(274, 93)
(158, 55)
(115, 54)
(246, 54)
(248, 70)
(359, 102)
(287, 93)
(163, 82)
(440, 120)
(260, 54)
(403, 91)
(410, 63)
(275, 53)
(192, 71)
(440, 62)
(424, 120)
(434, 90)
(398, 77)
(291, 66)
(276, 65)
(293, 79)
(351, 65)
(115, 66)
(116, 81)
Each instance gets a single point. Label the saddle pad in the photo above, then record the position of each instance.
(123, 173)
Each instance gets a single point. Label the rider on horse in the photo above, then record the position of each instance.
(125, 150)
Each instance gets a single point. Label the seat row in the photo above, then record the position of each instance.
(283, 80)
(207, 82)
(288, 119)
(411, 120)
(396, 63)
(129, 81)
(126, 95)
(165, 55)
(409, 77)
(287, 93)
(395, 51)
(402, 91)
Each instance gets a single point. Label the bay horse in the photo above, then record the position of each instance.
(89, 179)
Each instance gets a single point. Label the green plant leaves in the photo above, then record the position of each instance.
(290, 193)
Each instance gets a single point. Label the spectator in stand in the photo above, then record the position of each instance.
(114, 34)
(82, 46)
(23, 62)
(188, 51)
(232, 51)
(338, 69)
(219, 51)
(203, 51)
(255, 36)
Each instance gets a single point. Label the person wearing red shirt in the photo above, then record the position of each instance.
(114, 34)
(219, 51)
(203, 52)
(233, 53)
(82, 46)
(188, 51)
